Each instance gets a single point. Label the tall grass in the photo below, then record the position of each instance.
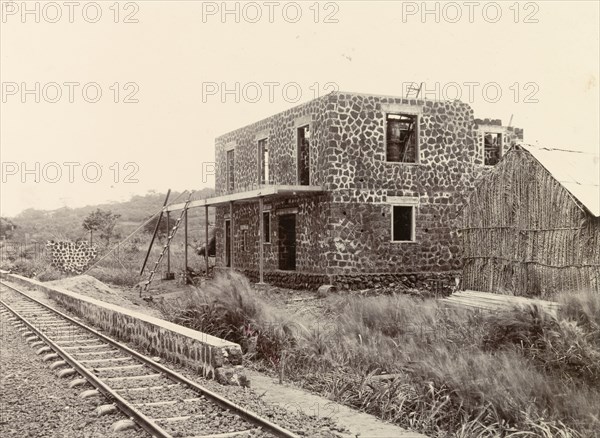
(228, 308)
(584, 309)
(452, 373)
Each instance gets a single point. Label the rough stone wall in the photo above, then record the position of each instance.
(439, 283)
(362, 181)
(351, 233)
(362, 239)
(311, 222)
(281, 131)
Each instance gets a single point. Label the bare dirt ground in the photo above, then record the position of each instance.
(91, 287)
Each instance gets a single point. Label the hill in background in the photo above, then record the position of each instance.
(66, 223)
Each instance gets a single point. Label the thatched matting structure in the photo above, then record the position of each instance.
(532, 226)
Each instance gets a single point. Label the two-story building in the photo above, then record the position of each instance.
(351, 189)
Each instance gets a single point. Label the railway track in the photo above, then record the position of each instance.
(159, 400)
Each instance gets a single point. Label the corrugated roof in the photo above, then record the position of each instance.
(578, 172)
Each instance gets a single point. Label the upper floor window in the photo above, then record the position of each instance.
(304, 155)
(230, 169)
(401, 138)
(263, 161)
(492, 148)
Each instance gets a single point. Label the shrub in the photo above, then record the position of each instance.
(228, 308)
(583, 308)
(28, 267)
(558, 346)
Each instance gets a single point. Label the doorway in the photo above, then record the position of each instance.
(287, 242)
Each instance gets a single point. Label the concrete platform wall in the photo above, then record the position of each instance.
(210, 356)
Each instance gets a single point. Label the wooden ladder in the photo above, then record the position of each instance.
(412, 89)
(166, 245)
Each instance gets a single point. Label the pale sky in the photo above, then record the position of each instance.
(547, 72)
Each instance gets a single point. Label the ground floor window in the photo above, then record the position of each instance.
(244, 241)
(403, 223)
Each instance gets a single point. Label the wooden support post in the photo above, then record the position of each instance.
(154, 234)
(206, 237)
(231, 224)
(168, 275)
(185, 242)
(261, 241)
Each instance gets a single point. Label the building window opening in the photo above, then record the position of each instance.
(492, 148)
(304, 155)
(401, 138)
(403, 223)
(230, 170)
(263, 157)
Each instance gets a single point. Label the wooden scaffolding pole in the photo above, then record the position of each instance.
(168, 274)
(261, 241)
(154, 234)
(231, 234)
(185, 242)
(206, 237)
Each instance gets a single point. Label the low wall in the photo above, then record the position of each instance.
(438, 283)
(289, 279)
(210, 356)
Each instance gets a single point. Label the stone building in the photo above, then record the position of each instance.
(351, 189)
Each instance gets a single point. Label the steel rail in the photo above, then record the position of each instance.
(120, 402)
(172, 375)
